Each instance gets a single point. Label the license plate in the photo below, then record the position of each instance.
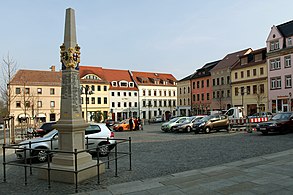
(262, 129)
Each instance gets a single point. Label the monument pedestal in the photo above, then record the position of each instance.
(86, 167)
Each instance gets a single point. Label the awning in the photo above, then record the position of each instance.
(41, 115)
(23, 116)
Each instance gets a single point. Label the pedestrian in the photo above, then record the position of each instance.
(139, 124)
(130, 124)
(136, 127)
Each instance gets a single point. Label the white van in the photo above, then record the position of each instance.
(235, 113)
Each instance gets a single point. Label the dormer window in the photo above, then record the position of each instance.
(114, 83)
(289, 41)
(123, 84)
(131, 84)
(274, 45)
(91, 77)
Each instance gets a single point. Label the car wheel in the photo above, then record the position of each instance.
(188, 129)
(40, 154)
(207, 130)
(103, 149)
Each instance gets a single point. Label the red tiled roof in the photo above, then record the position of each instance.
(146, 78)
(37, 77)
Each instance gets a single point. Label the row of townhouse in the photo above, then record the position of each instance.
(259, 80)
(105, 94)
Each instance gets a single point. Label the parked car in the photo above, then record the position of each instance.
(44, 129)
(123, 125)
(210, 123)
(169, 126)
(282, 123)
(261, 114)
(109, 122)
(95, 130)
(157, 119)
(186, 126)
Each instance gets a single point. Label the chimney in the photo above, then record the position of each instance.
(53, 68)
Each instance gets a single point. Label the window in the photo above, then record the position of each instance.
(129, 94)
(208, 84)
(228, 93)
(123, 84)
(222, 80)
(52, 91)
(242, 90)
(254, 72)
(129, 104)
(228, 79)
(218, 81)
(93, 100)
(202, 96)
(113, 104)
(112, 94)
(39, 104)
(197, 97)
(18, 105)
(99, 100)
(143, 103)
(39, 90)
(114, 83)
(275, 64)
(287, 61)
(131, 84)
(87, 100)
(276, 83)
(170, 93)
(27, 104)
(52, 104)
(274, 45)
(155, 103)
(248, 90)
(236, 91)
(119, 104)
(17, 90)
(193, 85)
(262, 88)
(208, 96)
(261, 72)
(242, 74)
(248, 73)
(125, 94)
(99, 88)
(143, 92)
(93, 88)
(27, 90)
(214, 82)
(214, 94)
(236, 75)
(135, 104)
(288, 81)
(198, 84)
(105, 100)
(289, 41)
(202, 83)
(125, 104)
(150, 92)
(105, 88)
(135, 93)
(118, 93)
(254, 89)
(193, 97)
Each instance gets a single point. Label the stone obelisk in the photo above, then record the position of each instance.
(71, 125)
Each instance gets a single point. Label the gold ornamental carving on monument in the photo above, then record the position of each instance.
(70, 58)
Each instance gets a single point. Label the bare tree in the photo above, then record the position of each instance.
(260, 97)
(8, 69)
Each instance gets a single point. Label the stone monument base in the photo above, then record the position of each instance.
(66, 173)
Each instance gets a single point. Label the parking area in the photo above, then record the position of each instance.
(156, 153)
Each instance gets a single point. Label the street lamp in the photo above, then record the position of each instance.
(86, 90)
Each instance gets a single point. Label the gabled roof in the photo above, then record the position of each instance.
(37, 77)
(205, 70)
(152, 78)
(230, 59)
(187, 77)
(286, 28)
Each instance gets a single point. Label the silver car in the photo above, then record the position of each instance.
(169, 126)
(186, 126)
(49, 141)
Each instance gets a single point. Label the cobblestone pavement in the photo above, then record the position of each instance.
(160, 155)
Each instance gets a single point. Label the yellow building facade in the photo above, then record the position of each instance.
(249, 82)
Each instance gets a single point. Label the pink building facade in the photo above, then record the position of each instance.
(280, 70)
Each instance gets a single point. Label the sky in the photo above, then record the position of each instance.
(163, 36)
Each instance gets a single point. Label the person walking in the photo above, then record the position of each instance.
(130, 124)
(139, 124)
(136, 127)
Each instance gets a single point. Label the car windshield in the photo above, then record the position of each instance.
(173, 120)
(282, 116)
(50, 134)
(206, 118)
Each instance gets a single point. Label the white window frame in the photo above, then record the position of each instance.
(287, 61)
(288, 81)
(289, 41)
(114, 83)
